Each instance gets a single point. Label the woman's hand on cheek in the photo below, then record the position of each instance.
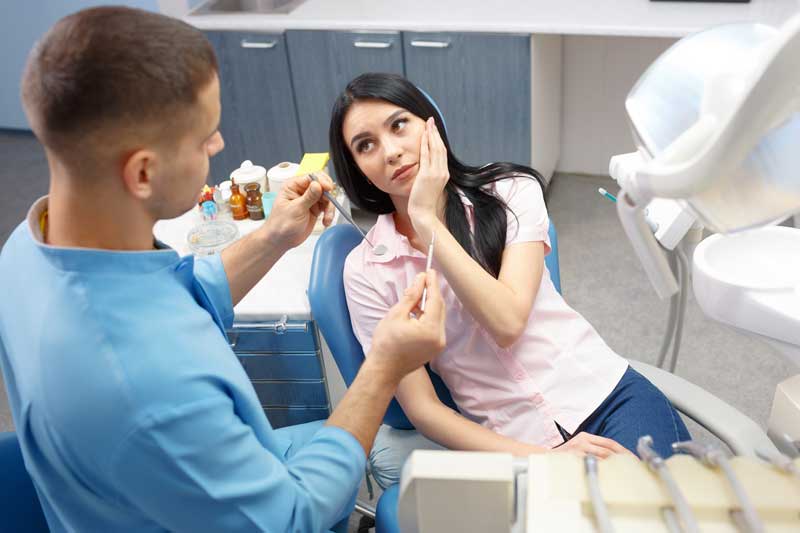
(427, 199)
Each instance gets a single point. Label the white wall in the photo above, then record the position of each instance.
(598, 73)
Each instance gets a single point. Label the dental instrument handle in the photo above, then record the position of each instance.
(681, 505)
(781, 462)
(599, 505)
(747, 517)
(659, 466)
(748, 512)
(607, 194)
(341, 210)
(427, 268)
(671, 520)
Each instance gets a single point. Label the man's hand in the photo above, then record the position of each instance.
(402, 343)
(297, 207)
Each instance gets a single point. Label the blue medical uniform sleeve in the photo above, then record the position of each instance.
(210, 273)
(199, 468)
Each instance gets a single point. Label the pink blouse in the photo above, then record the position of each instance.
(559, 370)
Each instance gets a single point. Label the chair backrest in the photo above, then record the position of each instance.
(19, 501)
(551, 259)
(329, 309)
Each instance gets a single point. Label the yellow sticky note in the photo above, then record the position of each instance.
(313, 163)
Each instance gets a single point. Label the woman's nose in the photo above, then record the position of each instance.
(393, 152)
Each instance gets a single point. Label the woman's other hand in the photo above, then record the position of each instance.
(426, 201)
(584, 443)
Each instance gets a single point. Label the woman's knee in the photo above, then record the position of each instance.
(390, 451)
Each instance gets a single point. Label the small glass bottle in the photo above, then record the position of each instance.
(254, 206)
(238, 203)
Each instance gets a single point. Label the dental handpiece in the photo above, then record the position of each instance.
(380, 249)
(657, 464)
(781, 462)
(711, 456)
(593, 481)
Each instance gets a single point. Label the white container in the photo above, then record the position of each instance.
(250, 173)
(280, 173)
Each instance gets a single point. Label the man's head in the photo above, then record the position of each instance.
(126, 98)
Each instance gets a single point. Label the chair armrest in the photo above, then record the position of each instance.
(731, 426)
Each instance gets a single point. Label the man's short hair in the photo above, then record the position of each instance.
(110, 70)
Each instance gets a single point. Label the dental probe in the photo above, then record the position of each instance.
(427, 268)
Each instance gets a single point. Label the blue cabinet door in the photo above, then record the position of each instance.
(323, 62)
(482, 84)
(259, 121)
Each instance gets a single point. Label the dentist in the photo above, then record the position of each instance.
(132, 412)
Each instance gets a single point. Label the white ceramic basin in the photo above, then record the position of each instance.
(263, 7)
(751, 281)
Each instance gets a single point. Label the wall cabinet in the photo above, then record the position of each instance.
(259, 121)
(323, 62)
(482, 84)
(278, 89)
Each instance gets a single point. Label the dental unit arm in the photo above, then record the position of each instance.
(716, 124)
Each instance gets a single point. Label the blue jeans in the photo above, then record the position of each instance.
(633, 409)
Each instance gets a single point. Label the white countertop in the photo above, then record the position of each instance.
(281, 292)
(572, 17)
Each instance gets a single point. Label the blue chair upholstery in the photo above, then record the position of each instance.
(551, 259)
(386, 513)
(329, 309)
(21, 510)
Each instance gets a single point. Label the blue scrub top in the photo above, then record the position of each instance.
(132, 411)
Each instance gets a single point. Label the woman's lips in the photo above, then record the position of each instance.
(402, 171)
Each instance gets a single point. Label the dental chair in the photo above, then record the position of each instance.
(329, 308)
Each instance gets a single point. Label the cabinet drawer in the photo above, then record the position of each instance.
(292, 393)
(324, 62)
(304, 366)
(288, 337)
(289, 416)
(259, 121)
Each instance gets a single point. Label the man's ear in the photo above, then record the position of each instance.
(139, 170)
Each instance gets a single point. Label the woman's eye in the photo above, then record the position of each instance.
(399, 124)
(364, 146)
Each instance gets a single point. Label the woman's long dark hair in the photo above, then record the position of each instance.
(486, 244)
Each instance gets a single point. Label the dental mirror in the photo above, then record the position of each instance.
(378, 250)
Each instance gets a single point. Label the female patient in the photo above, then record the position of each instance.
(527, 372)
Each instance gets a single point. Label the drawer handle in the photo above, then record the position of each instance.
(372, 44)
(233, 338)
(280, 326)
(255, 44)
(430, 44)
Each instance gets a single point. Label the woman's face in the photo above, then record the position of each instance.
(384, 140)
